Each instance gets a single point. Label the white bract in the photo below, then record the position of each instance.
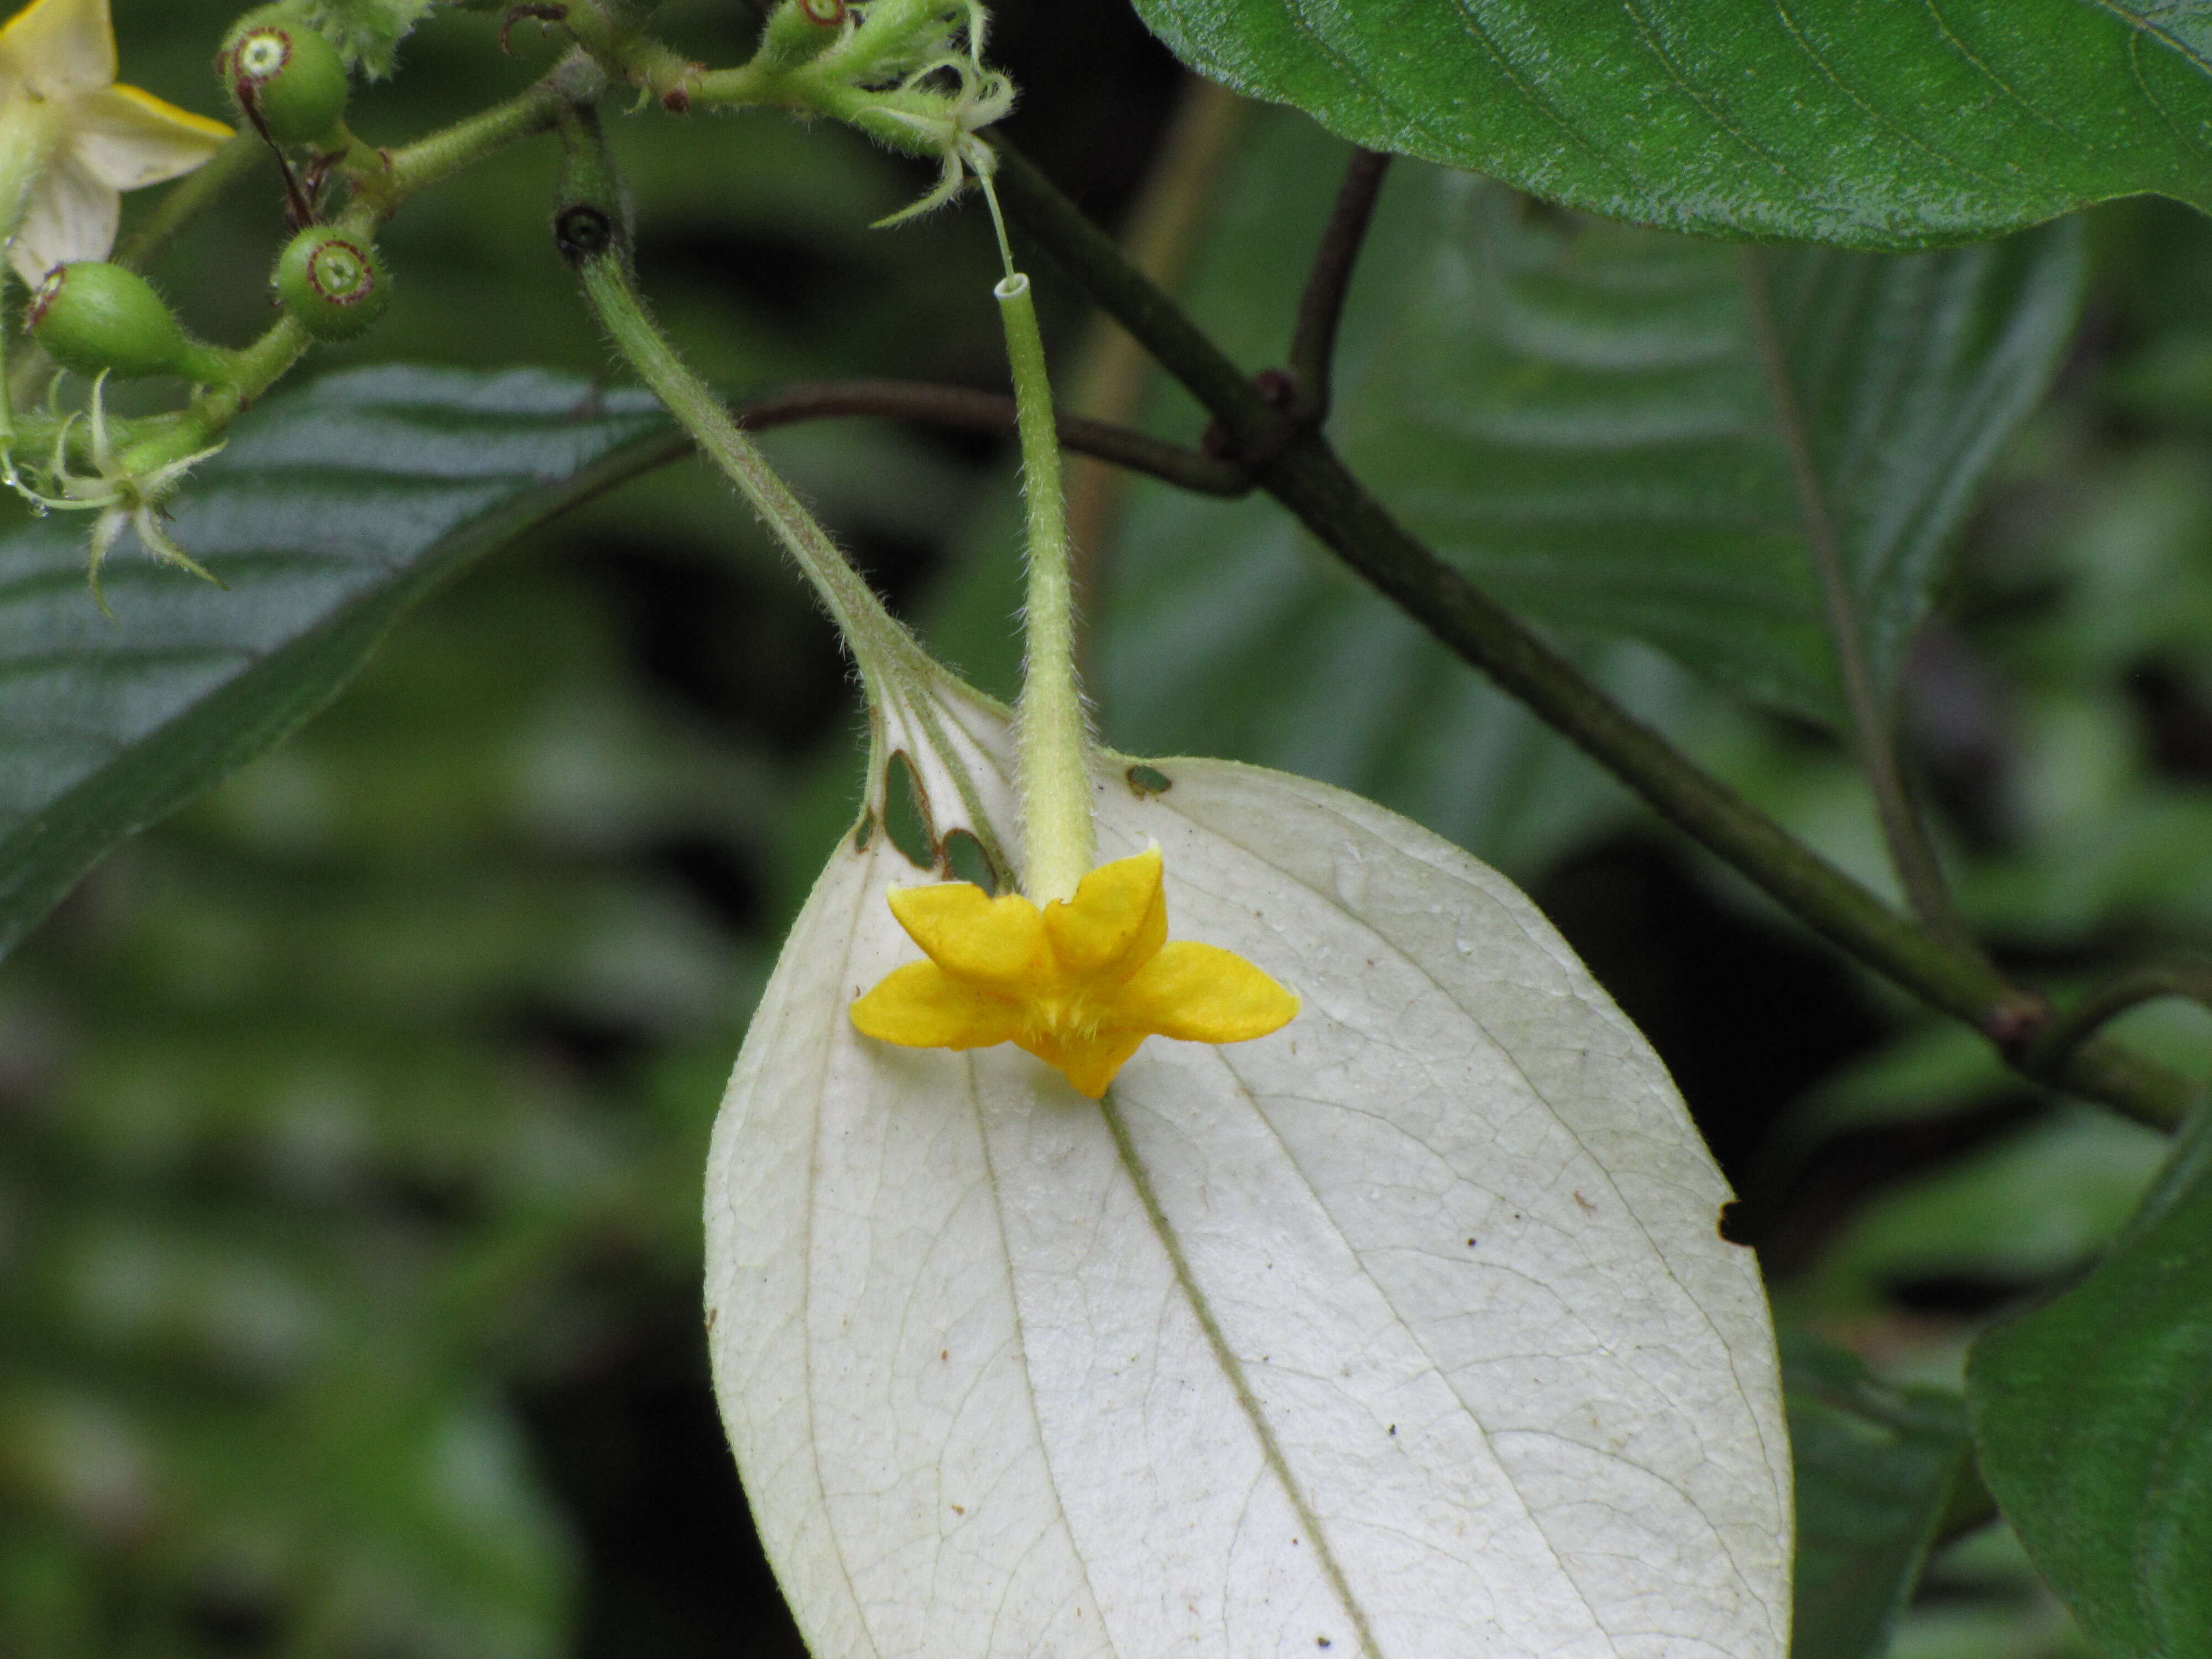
(1404, 1332)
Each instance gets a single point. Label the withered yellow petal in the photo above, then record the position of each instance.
(996, 942)
(1203, 994)
(128, 139)
(55, 47)
(922, 1006)
(1089, 1062)
(1117, 919)
(72, 216)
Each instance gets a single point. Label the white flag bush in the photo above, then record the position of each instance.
(1407, 1331)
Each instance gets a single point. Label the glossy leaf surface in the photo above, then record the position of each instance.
(1582, 418)
(333, 509)
(1405, 1331)
(1872, 126)
(2093, 1416)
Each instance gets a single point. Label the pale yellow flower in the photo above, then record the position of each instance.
(71, 140)
(1081, 984)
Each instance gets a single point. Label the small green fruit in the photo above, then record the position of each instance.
(284, 72)
(333, 283)
(97, 318)
(798, 30)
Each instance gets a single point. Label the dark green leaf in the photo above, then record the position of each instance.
(1581, 417)
(1876, 1469)
(1889, 125)
(2035, 1204)
(2093, 1416)
(333, 509)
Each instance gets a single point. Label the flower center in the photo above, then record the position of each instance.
(340, 273)
(264, 53)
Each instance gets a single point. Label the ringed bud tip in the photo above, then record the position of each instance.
(283, 75)
(333, 283)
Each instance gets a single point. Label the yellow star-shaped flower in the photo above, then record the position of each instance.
(71, 140)
(1079, 984)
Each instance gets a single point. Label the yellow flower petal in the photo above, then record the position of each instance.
(72, 216)
(1088, 1062)
(922, 1006)
(1202, 994)
(1117, 919)
(55, 47)
(997, 943)
(1080, 985)
(127, 139)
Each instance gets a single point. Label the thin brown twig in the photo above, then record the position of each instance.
(991, 411)
(1320, 308)
(2187, 977)
(1110, 372)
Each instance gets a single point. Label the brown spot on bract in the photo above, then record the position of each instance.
(1588, 1206)
(1146, 781)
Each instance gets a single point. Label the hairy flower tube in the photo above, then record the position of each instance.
(71, 140)
(1081, 984)
(908, 73)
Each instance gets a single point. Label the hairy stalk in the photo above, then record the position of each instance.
(539, 107)
(1874, 735)
(614, 38)
(1303, 472)
(593, 238)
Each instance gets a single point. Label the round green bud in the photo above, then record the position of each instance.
(333, 283)
(798, 30)
(96, 318)
(284, 73)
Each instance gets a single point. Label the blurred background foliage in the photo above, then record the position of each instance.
(351, 1123)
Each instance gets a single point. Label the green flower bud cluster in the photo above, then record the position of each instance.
(908, 73)
(285, 76)
(99, 318)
